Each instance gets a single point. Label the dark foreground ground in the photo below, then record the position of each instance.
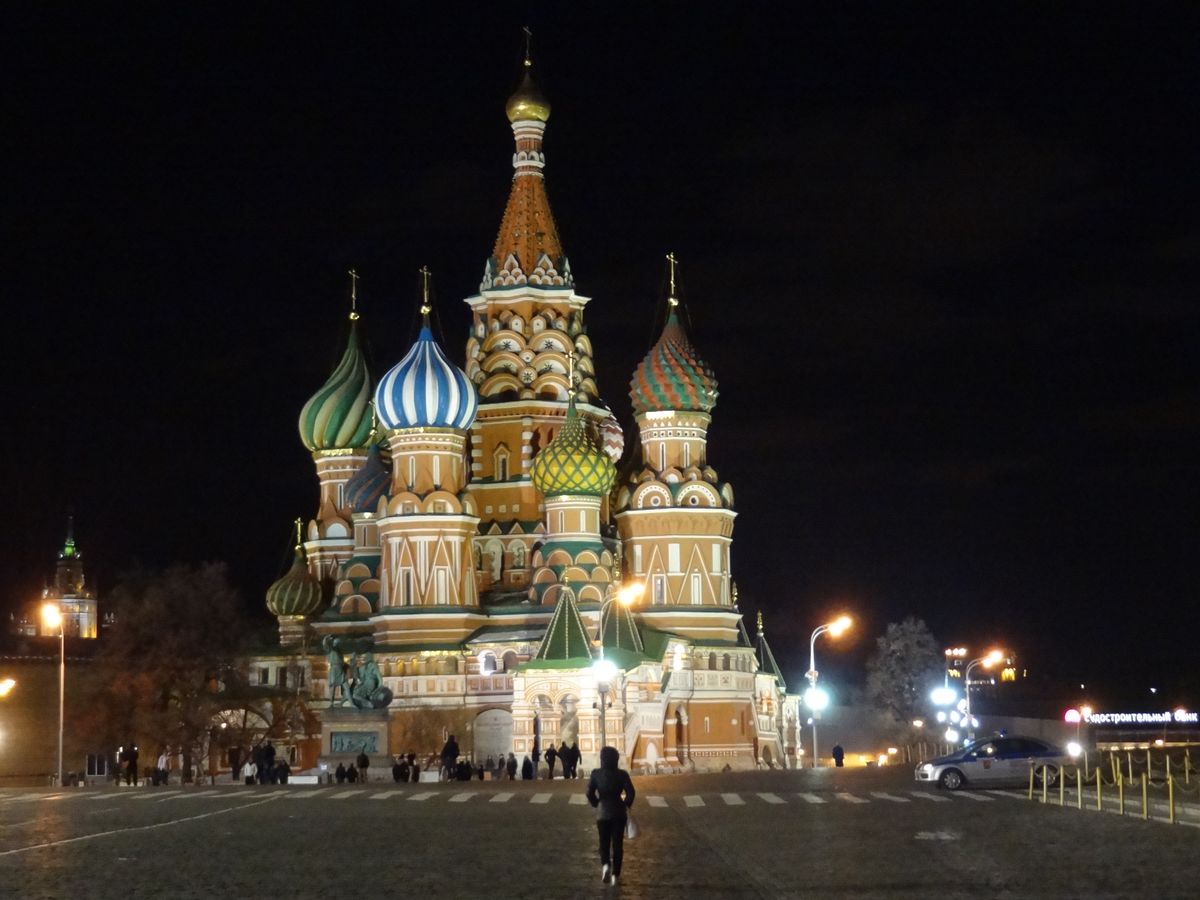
(831, 833)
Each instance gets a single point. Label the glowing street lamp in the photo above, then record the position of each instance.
(987, 662)
(52, 618)
(836, 628)
(604, 670)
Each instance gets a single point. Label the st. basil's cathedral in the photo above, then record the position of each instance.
(479, 547)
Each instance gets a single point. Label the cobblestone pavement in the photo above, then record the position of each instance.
(830, 833)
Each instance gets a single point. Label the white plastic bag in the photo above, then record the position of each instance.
(631, 829)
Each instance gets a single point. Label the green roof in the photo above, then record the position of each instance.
(618, 631)
(566, 638)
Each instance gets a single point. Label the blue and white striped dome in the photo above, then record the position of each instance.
(426, 390)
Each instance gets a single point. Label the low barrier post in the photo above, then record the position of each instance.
(1187, 765)
(1062, 788)
(1031, 781)
(1085, 763)
(1121, 792)
(1149, 767)
(1079, 788)
(1129, 760)
(1145, 797)
(1045, 783)
(1170, 799)
(1099, 782)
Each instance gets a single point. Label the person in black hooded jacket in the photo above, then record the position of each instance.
(610, 791)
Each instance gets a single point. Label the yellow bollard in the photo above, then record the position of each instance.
(1112, 759)
(1062, 788)
(1031, 782)
(1149, 767)
(1079, 788)
(1145, 798)
(1170, 799)
(1187, 765)
(1099, 783)
(1045, 785)
(1121, 792)
(1085, 763)
(1168, 764)
(1129, 759)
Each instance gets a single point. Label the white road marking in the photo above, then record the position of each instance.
(306, 793)
(157, 795)
(463, 797)
(811, 798)
(657, 801)
(343, 795)
(1010, 795)
(733, 800)
(578, 800)
(936, 836)
(384, 795)
(502, 797)
(978, 797)
(850, 798)
(693, 800)
(104, 796)
(540, 798)
(423, 796)
(884, 795)
(772, 798)
(98, 834)
(925, 795)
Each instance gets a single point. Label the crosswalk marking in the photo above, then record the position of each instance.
(502, 797)
(423, 796)
(850, 798)
(973, 796)
(733, 800)
(811, 798)
(1010, 794)
(884, 795)
(578, 800)
(925, 795)
(540, 798)
(343, 795)
(104, 796)
(463, 797)
(157, 795)
(657, 801)
(384, 795)
(693, 800)
(305, 794)
(772, 798)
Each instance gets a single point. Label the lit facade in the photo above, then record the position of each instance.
(472, 527)
(69, 590)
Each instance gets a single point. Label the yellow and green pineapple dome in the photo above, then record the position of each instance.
(573, 463)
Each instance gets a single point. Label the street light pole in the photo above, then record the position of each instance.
(835, 628)
(986, 661)
(604, 670)
(53, 618)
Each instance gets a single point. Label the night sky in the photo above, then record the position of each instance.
(943, 263)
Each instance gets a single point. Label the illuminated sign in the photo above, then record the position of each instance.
(1178, 717)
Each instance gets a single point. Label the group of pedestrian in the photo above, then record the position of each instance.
(405, 768)
(262, 767)
(568, 757)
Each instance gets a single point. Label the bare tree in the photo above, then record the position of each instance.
(906, 665)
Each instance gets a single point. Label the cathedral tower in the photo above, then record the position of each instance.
(675, 516)
(527, 325)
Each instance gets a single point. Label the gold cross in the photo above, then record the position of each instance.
(671, 296)
(353, 295)
(299, 540)
(528, 41)
(425, 307)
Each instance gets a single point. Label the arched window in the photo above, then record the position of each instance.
(725, 662)
(487, 662)
(509, 659)
(712, 660)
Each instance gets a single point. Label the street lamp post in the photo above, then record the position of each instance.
(814, 698)
(52, 616)
(603, 669)
(987, 662)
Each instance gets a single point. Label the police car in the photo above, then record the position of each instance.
(995, 761)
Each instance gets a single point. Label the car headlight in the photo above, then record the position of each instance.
(927, 767)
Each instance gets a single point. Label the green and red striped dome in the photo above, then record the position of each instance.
(673, 376)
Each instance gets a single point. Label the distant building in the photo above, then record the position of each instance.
(69, 591)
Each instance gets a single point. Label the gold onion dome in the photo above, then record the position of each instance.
(298, 593)
(527, 102)
(573, 463)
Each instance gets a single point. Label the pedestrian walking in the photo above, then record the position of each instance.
(364, 762)
(249, 771)
(281, 772)
(610, 791)
(527, 769)
(161, 767)
(575, 754)
(269, 762)
(564, 756)
(839, 756)
(449, 758)
(352, 774)
(551, 755)
(511, 767)
(339, 774)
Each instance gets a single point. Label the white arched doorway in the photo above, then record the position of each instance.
(493, 734)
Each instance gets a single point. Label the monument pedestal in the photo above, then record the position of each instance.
(347, 732)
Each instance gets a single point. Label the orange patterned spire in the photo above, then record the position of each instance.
(527, 249)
